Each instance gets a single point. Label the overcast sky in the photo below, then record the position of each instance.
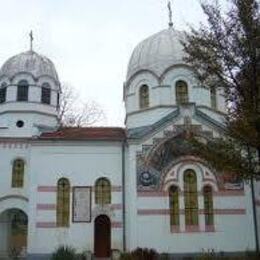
(90, 41)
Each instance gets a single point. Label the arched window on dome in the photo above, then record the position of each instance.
(144, 96)
(102, 191)
(213, 97)
(22, 90)
(3, 88)
(46, 93)
(63, 203)
(191, 198)
(208, 206)
(18, 173)
(181, 89)
(174, 205)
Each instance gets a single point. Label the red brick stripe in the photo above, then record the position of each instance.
(116, 206)
(47, 189)
(182, 211)
(117, 225)
(46, 206)
(45, 225)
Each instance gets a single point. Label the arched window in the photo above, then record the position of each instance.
(22, 90)
(3, 92)
(190, 198)
(144, 96)
(213, 97)
(46, 93)
(102, 191)
(208, 206)
(181, 92)
(18, 173)
(63, 203)
(174, 205)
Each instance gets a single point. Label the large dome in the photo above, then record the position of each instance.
(157, 53)
(29, 62)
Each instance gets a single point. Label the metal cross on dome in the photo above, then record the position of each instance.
(170, 13)
(31, 40)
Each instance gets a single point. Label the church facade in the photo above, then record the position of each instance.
(103, 189)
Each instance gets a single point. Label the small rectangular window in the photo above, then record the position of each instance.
(46, 95)
(2, 95)
(22, 93)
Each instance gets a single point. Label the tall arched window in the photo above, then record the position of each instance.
(181, 92)
(3, 92)
(102, 191)
(208, 206)
(174, 205)
(144, 96)
(18, 173)
(213, 97)
(63, 203)
(190, 198)
(22, 90)
(46, 93)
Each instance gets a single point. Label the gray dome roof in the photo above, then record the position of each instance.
(157, 53)
(29, 62)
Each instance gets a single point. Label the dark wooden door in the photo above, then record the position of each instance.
(102, 242)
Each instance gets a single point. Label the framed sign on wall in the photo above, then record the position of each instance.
(81, 204)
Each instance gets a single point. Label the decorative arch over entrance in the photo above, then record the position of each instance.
(14, 232)
(102, 236)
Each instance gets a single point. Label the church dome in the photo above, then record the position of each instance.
(157, 53)
(29, 62)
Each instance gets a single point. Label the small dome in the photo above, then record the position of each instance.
(157, 53)
(29, 62)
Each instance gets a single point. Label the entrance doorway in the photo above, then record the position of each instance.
(13, 235)
(102, 241)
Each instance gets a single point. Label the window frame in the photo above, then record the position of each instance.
(103, 193)
(46, 94)
(63, 203)
(174, 205)
(22, 91)
(144, 96)
(191, 204)
(208, 205)
(181, 92)
(3, 92)
(18, 172)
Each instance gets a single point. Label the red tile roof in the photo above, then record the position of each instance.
(86, 133)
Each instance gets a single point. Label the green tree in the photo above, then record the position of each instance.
(225, 54)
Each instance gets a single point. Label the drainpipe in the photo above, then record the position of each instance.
(254, 213)
(252, 186)
(123, 194)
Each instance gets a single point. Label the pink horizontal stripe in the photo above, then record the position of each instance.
(153, 211)
(189, 228)
(116, 224)
(229, 193)
(152, 194)
(166, 194)
(175, 229)
(46, 206)
(116, 206)
(45, 225)
(47, 189)
(229, 211)
(182, 212)
(210, 228)
(54, 189)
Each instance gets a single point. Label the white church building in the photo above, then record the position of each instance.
(104, 189)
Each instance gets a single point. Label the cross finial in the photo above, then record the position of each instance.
(170, 14)
(31, 40)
